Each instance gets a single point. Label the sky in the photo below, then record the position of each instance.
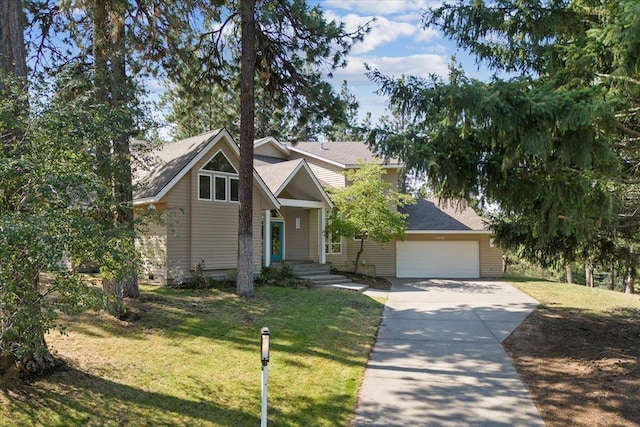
(397, 44)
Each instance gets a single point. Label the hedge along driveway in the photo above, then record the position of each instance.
(192, 358)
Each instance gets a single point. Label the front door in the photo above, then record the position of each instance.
(277, 240)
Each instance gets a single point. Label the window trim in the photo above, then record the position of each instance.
(328, 245)
(214, 176)
(215, 187)
(210, 186)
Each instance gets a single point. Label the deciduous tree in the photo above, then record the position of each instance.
(367, 208)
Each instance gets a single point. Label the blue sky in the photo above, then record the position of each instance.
(396, 45)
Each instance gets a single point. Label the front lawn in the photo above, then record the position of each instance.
(192, 358)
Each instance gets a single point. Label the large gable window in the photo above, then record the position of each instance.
(218, 180)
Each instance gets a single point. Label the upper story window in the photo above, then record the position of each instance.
(218, 180)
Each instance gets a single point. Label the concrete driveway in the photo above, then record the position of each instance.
(438, 358)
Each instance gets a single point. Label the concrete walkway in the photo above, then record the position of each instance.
(438, 358)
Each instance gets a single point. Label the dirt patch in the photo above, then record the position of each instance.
(581, 369)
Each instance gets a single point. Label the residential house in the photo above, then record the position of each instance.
(193, 185)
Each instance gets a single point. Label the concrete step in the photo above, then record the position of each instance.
(320, 275)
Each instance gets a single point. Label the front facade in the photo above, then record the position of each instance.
(193, 185)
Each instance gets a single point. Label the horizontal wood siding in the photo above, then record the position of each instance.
(151, 242)
(296, 240)
(268, 150)
(325, 172)
(383, 257)
(214, 224)
(314, 235)
(490, 258)
(179, 230)
(258, 203)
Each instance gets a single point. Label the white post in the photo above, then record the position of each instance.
(321, 225)
(267, 238)
(263, 415)
(265, 338)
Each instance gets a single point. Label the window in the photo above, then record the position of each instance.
(220, 191)
(204, 187)
(234, 190)
(220, 163)
(218, 180)
(333, 244)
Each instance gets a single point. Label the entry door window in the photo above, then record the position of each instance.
(277, 240)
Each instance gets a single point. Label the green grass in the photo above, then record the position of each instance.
(578, 298)
(192, 358)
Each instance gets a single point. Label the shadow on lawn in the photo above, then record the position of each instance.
(85, 399)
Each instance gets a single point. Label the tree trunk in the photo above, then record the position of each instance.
(612, 277)
(244, 285)
(505, 264)
(123, 186)
(12, 51)
(569, 273)
(355, 270)
(629, 284)
(588, 274)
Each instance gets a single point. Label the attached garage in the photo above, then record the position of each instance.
(438, 259)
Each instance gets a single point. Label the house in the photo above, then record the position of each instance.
(193, 185)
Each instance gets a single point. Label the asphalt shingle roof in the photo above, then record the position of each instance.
(275, 175)
(345, 153)
(429, 215)
(167, 162)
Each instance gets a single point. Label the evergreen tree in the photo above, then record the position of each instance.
(552, 146)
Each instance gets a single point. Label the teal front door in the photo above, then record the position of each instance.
(277, 240)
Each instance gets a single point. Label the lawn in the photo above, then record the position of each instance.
(578, 354)
(191, 357)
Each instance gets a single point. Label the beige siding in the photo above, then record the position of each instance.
(383, 257)
(151, 242)
(325, 172)
(258, 202)
(269, 150)
(214, 224)
(179, 230)
(296, 240)
(490, 258)
(391, 176)
(314, 234)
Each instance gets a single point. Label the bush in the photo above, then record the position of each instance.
(283, 277)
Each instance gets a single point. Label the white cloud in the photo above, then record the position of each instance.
(383, 30)
(416, 65)
(426, 34)
(379, 7)
(364, 90)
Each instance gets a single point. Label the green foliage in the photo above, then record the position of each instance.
(366, 208)
(282, 276)
(52, 200)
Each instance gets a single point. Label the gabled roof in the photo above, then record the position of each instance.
(428, 215)
(269, 140)
(280, 176)
(172, 161)
(342, 154)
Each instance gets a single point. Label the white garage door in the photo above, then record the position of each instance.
(437, 259)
